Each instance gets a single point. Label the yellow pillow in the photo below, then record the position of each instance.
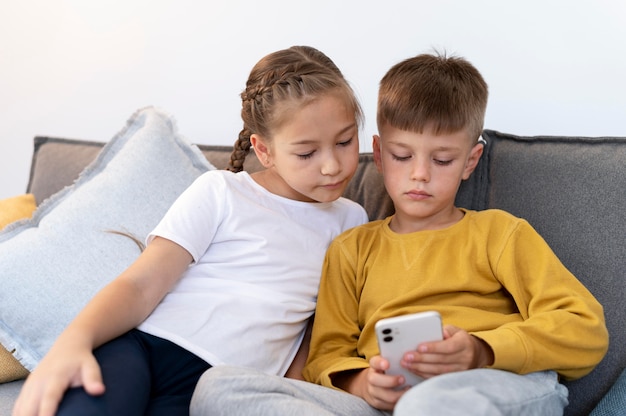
(10, 368)
(13, 209)
(16, 208)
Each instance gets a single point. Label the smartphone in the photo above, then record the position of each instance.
(404, 333)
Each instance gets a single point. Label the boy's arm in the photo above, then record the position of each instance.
(563, 327)
(336, 329)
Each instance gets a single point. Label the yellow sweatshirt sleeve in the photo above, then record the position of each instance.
(563, 325)
(336, 333)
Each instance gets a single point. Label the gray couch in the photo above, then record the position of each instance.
(571, 189)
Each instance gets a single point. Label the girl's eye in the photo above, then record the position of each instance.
(306, 156)
(345, 143)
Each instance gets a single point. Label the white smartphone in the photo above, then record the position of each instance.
(400, 334)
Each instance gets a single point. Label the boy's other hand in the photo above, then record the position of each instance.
(378, 389)
(457, 352)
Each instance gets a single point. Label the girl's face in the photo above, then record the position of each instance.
(313, 155)
(422, 174)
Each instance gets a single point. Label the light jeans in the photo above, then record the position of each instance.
(486, 392)
(231, 391)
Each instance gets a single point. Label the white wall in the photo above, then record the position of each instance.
(80, 68)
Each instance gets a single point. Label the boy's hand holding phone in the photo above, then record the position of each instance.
(413, 347)
(401, 335)
(457, 352)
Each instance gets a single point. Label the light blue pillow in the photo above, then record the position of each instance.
(614, 402)
(51, 265)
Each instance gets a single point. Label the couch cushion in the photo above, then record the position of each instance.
(614, 403)
(53, 263)
(8, 396)
(57, 162)
(571, 189)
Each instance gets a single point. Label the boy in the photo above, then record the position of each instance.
(515, 318)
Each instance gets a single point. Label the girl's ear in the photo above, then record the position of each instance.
(261, 149)
(473, 159)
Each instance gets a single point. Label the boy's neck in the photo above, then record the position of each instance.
(405, 224)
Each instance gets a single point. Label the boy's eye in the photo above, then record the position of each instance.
(442, 162)
(400, 158)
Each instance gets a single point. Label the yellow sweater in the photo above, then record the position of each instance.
(491, 274)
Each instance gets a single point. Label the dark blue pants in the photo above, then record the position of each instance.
(143, 375)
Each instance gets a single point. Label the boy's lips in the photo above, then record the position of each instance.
(417, 194)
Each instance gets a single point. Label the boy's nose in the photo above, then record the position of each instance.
(420, 171)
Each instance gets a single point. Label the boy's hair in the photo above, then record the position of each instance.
(445, 94)
(280, 83)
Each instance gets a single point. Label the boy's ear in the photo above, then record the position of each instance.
(376, 150)
(261, 149)
(473, 159)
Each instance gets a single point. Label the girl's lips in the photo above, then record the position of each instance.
(333, 185)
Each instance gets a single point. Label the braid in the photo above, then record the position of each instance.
(240, 151)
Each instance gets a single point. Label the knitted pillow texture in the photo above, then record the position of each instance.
(13, 209)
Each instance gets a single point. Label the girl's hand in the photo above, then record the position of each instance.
(59, 370)
(372, 384)
(120, 306)
(457, 352)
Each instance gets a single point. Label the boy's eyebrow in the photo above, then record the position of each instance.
(448, 148)
(440, 148)
(309, 141)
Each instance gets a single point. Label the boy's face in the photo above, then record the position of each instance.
(422, 174)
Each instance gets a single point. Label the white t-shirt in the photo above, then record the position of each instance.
(257, 263)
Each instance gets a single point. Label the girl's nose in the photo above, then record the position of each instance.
(331, 165)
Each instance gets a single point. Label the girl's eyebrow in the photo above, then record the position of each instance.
(347, 128)
(339, 133)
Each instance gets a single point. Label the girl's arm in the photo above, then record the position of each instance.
(117, 308)
(132, 296)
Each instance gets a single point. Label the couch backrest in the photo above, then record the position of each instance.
(571, 189)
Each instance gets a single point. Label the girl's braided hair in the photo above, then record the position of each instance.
(280, 80)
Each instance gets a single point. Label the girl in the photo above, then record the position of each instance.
(230, 274)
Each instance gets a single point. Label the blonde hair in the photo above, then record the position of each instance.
(285, 80)
(445, 94)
